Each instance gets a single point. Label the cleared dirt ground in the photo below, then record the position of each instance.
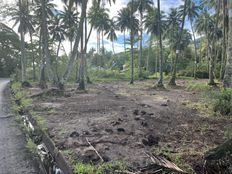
(124, 121)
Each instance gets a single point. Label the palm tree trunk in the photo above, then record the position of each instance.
(223, 61)
(141, 46)
(173, 78)
(228, 69)
(132, 45)
(103, 49)
(211, 67)
(22, 44)
(149, 54)
(82, 60)
(33, 58)
(42, 79)
(113, 47)
(76, 44)
(124, 32)
(57, 55)
(45, 44)
(160, 81)
(195, 49)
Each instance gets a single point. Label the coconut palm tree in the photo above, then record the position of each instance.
(57, 31)
(134, 26)
(192, 12)
(142, 6)
(123, 18)
(173, 77)
(45, 35)
(69, 18)
(205, 25)
(151, 23)
(160, 82)
(228, 69)
(24, 19)
(111, 32)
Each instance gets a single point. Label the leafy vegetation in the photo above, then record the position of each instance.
(104, 168)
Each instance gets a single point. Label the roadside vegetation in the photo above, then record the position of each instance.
(171, 76)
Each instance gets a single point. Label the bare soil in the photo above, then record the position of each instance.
(124, 121)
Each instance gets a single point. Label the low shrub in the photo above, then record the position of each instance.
(223, 103)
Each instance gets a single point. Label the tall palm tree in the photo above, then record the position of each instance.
(173, 77)
(123, 18)
(111, 33)
(152, 25)
(24, 19)
(160, 82)
(47, 55)
(223, 61)
(142, 6)
(205, 24)
(57, 31)
(134, 26)
(70, 20)
(192, 11)
(228, 69)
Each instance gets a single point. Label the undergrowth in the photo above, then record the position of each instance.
(103, 168)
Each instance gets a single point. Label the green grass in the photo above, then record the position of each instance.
(198, 86)
(104, 168)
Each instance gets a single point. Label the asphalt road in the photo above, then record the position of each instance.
(14, 157)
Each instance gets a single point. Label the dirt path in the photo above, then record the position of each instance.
(14, 157)
(123, 121)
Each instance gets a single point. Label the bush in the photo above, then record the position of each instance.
(202, 72)
(223, 103)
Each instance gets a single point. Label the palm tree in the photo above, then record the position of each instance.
(24, 19)
(228, 69)
(205, 24)
(160, 82)
(142, 6)
(152, 25)
(70, 21)
(111, 33)
(44, 29)
(57, 31)
(222, 70)
(192, 11)
(123, 18)
(173, 77)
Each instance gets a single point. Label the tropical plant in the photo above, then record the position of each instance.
(142, 6)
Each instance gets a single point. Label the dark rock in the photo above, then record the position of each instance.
(94, 129)
(89, 155)
(26, 85)
(143, 112)
(121, 130)
(119, 119)
(151, 140)
(136, 112)
(164, 104)
(139, 145)
(137, 118)
(144, 124)
(86, 133)
(74, 134)
(150, 114)
(109, 131)
(61, 145)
